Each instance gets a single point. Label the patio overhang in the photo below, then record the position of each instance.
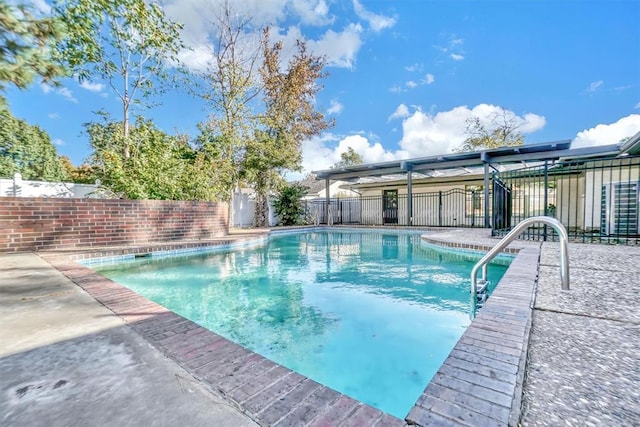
(488, 160)
(523, 153)
(631, 145)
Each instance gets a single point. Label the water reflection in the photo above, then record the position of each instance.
(340, 308)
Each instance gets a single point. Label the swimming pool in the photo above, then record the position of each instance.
(370, 314)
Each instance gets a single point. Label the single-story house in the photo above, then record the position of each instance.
(591, 189)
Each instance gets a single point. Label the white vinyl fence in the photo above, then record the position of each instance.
(17, 187)
(244, 211)
(243, 204)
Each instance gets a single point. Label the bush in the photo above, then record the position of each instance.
(288, 205)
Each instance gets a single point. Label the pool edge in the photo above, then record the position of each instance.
(214, 361)
(478, 398)
(481, 381)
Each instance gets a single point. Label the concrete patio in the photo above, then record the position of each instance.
(584, 350)
(67, 360)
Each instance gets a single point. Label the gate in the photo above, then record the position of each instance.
(390, 207)
(501, 212)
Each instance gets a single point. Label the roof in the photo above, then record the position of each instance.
(632, 145)
(460, 173)
(313, 185)
(504, 155)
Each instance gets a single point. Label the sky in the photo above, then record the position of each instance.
(406, 75)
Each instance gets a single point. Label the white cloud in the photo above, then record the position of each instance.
(376, 22)
(62, 91)
(531, 123)
(428, 134)
(57, 141)
(423, 135)
(67, 94)
(605, 134)
(412, 84)
(312, 12)
(200, 20)
(197, 58)
(317, 153)
(200, 16)
(401, 111)
(414, 67)
(53, 116)
(452, 46)
(92, 87)
(335, 107)
(593, 86)
(324, 151)
(637, 105)
(339, 48)
(370, 153)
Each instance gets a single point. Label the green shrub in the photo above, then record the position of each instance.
(289, 206)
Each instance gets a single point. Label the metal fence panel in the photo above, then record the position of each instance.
(596, 200)
(453, 208)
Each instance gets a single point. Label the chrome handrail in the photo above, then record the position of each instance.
(511, 236)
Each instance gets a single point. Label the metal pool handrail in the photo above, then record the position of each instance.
(511, 236)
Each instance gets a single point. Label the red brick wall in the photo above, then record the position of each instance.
(32, 224)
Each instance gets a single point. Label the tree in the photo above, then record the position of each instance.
(159, 166)
(26, 46)
(502, 131)
(289, 118)
(219, 167)
(348, 158)
(27, 149)
(127, 43)
(82, 174)
(229, 84)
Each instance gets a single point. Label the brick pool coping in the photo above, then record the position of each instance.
(480, 383)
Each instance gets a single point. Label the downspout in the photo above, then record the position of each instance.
(327, 182)
(409, 198)
(487, 219)
(409, 168)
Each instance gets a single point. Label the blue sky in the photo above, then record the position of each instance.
(406, 74)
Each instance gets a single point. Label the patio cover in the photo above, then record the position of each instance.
(487, 158)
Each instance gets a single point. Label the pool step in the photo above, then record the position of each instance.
(482, 293)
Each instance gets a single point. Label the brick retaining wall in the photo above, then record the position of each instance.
(33, 224)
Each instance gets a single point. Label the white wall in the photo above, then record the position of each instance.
(594, 181)
(335, 190)
(244, 211)
(17, 187)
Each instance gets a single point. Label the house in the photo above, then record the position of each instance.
(600, 194)
(591, 190)
(317, 189)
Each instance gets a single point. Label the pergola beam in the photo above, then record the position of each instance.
(531, 152)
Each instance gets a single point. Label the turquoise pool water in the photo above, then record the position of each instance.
(370, 314)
